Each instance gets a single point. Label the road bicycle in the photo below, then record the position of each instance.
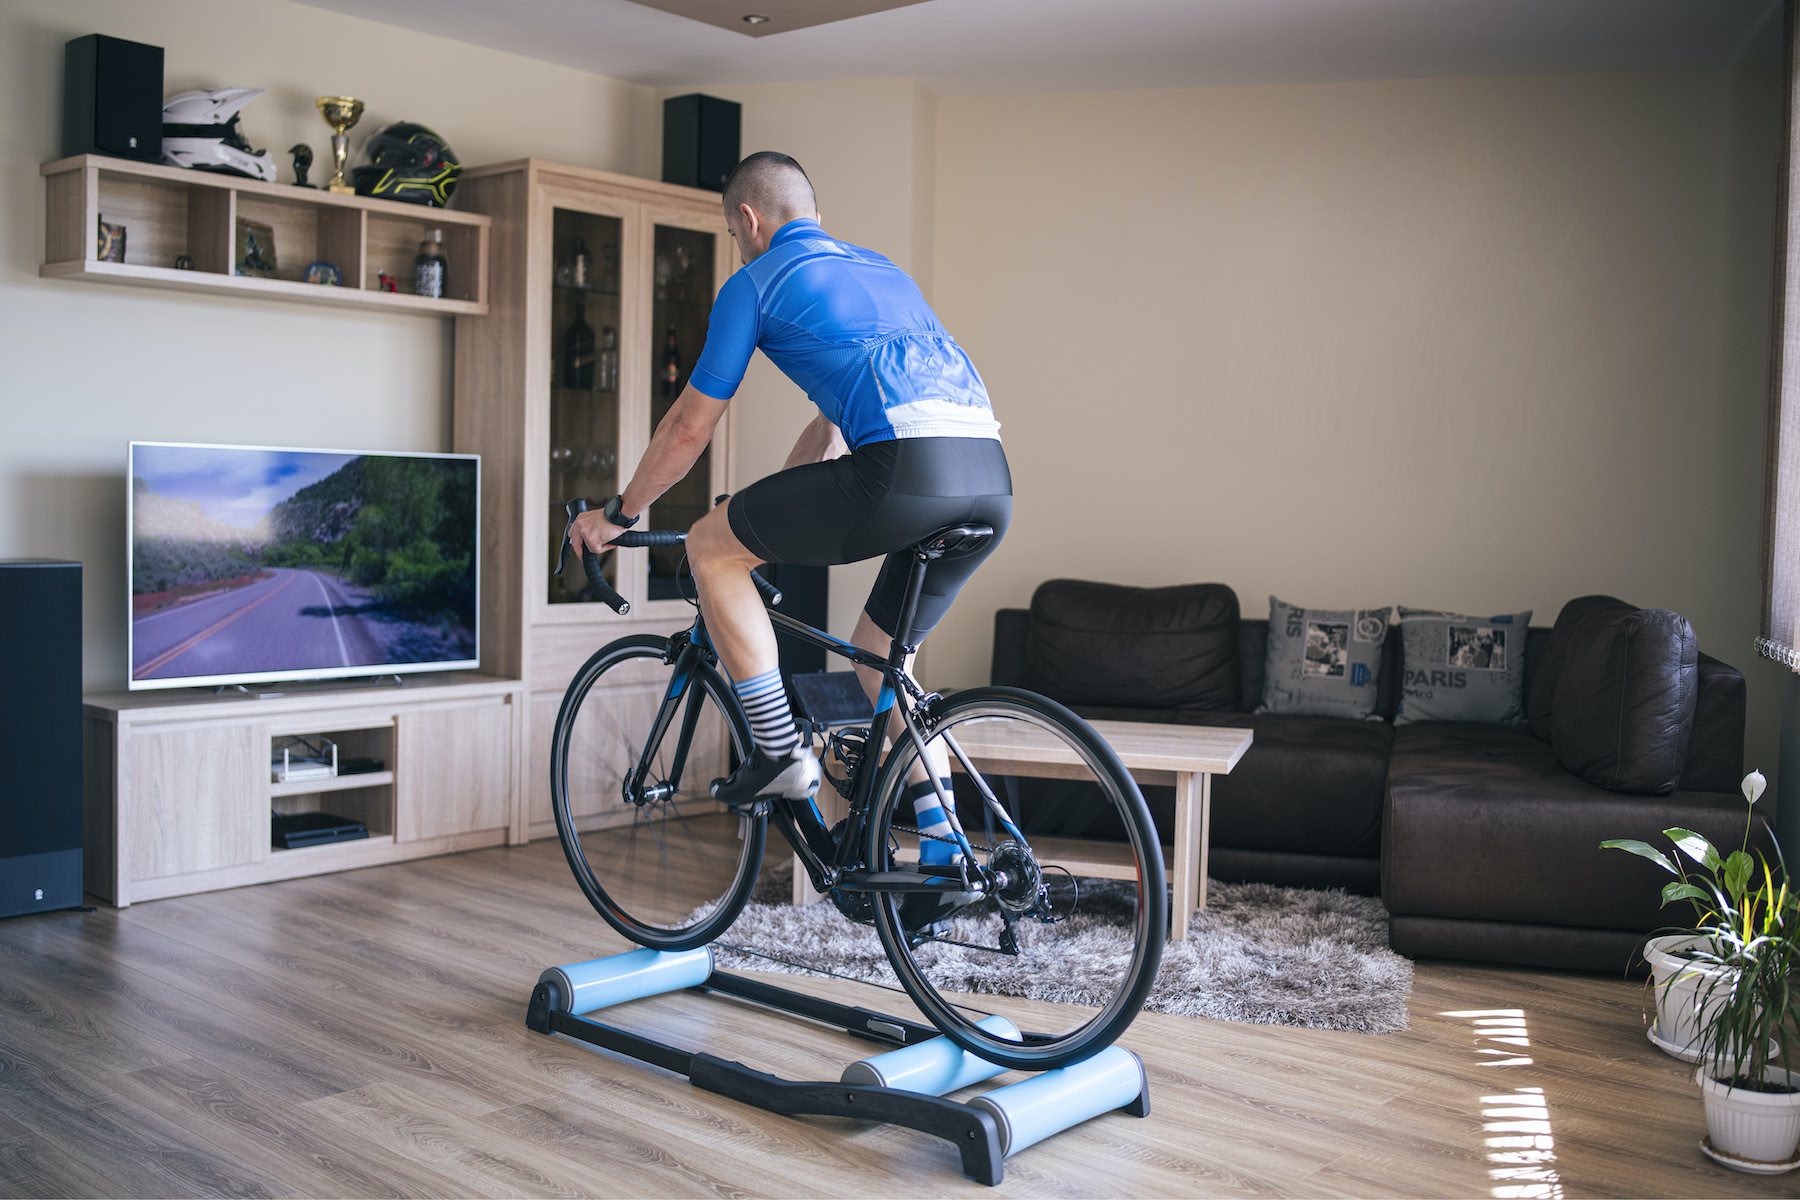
(1065, 878)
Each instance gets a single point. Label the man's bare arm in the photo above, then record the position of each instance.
(819, 441)
(674, 449)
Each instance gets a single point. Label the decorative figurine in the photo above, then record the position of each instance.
(255, 255)
(302, 163)
(386, 281)
(340, 112)
(184, 262)
(324, 273)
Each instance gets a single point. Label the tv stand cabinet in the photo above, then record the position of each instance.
(179, 793)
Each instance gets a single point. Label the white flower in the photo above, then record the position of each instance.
(1753, 786)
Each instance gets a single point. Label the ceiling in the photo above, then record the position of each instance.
(1074, 45)
(766, 18)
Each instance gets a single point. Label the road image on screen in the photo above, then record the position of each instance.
(254, 563)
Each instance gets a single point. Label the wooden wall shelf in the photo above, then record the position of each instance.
(169, 211)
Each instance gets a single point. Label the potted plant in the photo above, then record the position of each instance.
(1677, 973)
(1744, 963)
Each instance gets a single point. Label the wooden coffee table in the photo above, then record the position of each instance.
(1183, 756)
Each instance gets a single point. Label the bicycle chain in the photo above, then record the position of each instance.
(938, 837)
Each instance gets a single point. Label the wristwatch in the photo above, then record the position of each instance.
(614, 512)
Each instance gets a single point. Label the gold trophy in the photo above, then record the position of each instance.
(340, 112)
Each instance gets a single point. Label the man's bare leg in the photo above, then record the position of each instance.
(735, 618)
(744, 637)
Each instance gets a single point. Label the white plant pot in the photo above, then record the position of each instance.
(1678, 982)
(1760, 1128)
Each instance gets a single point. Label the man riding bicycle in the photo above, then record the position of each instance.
(905, 444)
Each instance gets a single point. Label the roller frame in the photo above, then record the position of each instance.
(974, 1132)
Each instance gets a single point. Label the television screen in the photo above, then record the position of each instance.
(255, 563)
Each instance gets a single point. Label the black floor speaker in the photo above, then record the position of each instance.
(700, 140)
(805, 594)
(112, 98)
(40, 710)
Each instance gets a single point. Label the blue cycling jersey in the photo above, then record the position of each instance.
(854, 332)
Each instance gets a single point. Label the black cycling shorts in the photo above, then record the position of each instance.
(882, 499)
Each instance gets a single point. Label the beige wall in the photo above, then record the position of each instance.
(88, 367)
(1481, 344)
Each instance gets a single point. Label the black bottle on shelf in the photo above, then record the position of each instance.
(578, 351)
(671, 365)
(431, 271)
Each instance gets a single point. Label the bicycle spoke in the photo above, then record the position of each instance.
(1074, 826)
(659, 859)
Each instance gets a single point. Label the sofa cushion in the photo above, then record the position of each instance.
(1253, 654)
(1458, 668)
(1323, 662)
(1483, 824)
(1102, 643)
(1542, 695)
(1625, 692)
(1309, 785)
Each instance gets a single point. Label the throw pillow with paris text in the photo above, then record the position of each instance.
(1461, 668)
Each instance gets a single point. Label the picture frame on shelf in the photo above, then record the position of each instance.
(254, 249)
(109, 242)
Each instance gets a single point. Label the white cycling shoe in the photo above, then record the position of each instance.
(793, 776)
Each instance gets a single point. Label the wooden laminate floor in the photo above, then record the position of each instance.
(361, 1034)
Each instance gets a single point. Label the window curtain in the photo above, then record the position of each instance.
(1780, 638)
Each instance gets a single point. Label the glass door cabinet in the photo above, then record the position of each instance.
(600, 289)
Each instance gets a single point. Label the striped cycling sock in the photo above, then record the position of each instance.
(932, 821)
(771, 721)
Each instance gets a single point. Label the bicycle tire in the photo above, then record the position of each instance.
(665, 902)
(1134, 899)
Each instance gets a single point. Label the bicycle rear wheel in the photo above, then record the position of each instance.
(663, 862)
(1082, 914)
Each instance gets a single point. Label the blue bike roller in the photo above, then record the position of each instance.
(584, 986)
(1031, 1111)
(934, 1067)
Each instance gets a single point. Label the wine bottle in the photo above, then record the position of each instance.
(671, 365)
(431, 270)
(579, 264)
(578, 351)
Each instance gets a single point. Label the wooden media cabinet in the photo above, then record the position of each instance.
(179, 791)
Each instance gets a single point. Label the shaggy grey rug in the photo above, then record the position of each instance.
(1257, 953)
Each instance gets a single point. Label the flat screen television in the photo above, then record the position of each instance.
(257, 563)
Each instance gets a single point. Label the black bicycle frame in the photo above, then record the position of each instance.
(827, 864)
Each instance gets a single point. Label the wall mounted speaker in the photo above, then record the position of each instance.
(700, 140)
(40, 709)
(112, 98)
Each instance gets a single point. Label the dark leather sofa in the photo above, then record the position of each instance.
(1479, 842)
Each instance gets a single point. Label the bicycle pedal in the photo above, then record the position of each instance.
(762, 806)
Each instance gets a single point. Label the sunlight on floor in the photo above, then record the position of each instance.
(1520, 1146)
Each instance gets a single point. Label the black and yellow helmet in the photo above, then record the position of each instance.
(407, 162)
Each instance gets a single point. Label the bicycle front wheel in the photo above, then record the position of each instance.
(631, 760)
(1078, 913)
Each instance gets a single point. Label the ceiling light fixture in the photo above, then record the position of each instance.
(755, 19)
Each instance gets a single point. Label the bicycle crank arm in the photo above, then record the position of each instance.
(906, 881)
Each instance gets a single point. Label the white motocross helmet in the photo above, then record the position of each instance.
(200, 130)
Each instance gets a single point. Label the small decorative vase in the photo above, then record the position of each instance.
(1762, 1129)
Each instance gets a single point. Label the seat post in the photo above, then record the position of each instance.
(909, 610)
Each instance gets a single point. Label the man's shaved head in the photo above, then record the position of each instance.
(774, 185)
